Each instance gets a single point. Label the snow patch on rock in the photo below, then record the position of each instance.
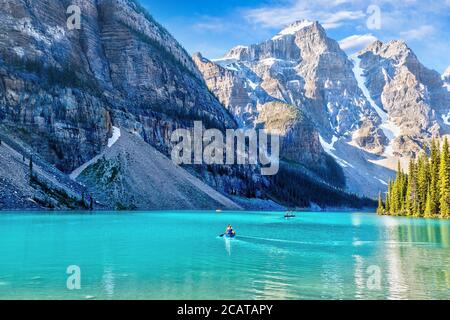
(25, 26)
(447, 85)
(446, 118)
(382, 181)
(57, 33)
(390, 129)
(115, 137)
(293, 28)
(111, 141)
(229, 64)
(330, 149)
(252, 84)
(270, 61)
(19, 51)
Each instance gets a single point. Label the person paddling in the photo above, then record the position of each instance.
(230, 232)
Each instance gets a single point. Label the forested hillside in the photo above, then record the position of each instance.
(425, 190)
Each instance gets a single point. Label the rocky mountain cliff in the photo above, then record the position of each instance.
(63, 93)
(412, 99)
(368, 110)
(61, 90)
(302, 67)
(65, 88)
(254, 107)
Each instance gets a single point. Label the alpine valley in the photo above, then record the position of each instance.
(86, 115)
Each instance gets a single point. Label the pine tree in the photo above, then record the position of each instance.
(397, 189)
(388, 202)
(394, 197)
(444, 176)
(434, 178)
(410, 190)
(389, 198)
(30, 165)
(405, 189)
(380, 209)
(83, 199)
(427, 212)
(422, 184)
(403, 186)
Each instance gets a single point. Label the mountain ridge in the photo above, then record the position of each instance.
(381, 102)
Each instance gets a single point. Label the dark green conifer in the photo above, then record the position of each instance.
(380, 209)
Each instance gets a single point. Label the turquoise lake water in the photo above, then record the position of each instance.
(170, 255)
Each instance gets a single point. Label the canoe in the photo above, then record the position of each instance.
(230, 235)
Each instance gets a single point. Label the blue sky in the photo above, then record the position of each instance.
(213, 27)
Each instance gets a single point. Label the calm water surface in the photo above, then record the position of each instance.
(178, 255)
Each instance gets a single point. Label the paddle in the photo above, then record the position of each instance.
(223, 234)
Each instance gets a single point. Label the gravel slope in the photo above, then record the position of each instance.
(133, 175)
(54, 190)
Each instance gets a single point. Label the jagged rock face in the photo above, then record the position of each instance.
(383, 99)
(231, 90)
(151, 69)
(300, 66)
(370, 138)
(414, 97)
(61, 90)
(66, 124)
(299, 139)
(303, 68)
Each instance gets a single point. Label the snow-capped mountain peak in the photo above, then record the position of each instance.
(396, 50)
(373, 47)
(234, 53)
(293, 28)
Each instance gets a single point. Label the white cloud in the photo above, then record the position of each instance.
(418, 33)
(335, 20)
(356, 42)
(323, 11)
